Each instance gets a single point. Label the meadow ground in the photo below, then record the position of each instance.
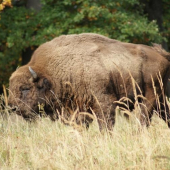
(52, 145)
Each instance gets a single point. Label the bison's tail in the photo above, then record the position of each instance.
(160, 50)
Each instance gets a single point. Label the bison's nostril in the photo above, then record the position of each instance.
(13, 108)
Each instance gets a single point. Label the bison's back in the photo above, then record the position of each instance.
(86, 54)
(93, 60)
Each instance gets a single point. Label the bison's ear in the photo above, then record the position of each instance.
(44, 83)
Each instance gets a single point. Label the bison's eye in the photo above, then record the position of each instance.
(23, 88)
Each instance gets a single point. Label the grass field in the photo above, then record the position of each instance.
(52, 145)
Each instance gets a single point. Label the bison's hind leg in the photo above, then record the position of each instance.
(164, 113)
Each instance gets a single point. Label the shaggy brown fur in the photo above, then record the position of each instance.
(90, 72)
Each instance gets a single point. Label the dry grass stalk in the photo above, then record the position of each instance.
(5, 95)
(47, 145)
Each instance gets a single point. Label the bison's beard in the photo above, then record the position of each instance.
(36, 112)
(27, 114)
(26, 111)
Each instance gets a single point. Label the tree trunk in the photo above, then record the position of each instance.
(154, 9)
(27, 53)
(34, 4)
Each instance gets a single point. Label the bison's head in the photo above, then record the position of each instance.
(28, 88)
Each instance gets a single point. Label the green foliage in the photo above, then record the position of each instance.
(21, 28)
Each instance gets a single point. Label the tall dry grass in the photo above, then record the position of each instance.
(52, 145)
(44, 144)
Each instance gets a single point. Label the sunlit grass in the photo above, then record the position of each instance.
(53, 145)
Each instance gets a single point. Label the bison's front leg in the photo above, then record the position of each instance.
(105, 113)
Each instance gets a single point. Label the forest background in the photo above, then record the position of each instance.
(25, 24)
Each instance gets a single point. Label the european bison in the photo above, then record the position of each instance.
(89, 72)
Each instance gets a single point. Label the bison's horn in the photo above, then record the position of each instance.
(33, 73)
